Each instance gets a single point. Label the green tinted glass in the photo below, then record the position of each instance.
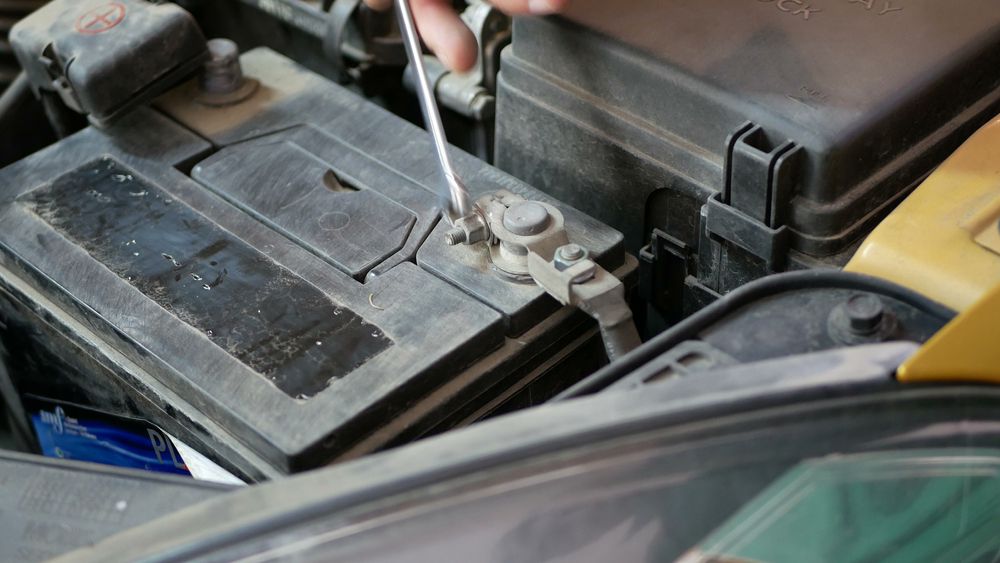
(941, 505)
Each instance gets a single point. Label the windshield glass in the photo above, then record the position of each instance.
(897, 506)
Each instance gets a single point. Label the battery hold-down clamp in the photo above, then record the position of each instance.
(528, 243)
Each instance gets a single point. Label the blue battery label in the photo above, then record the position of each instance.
(73, 432)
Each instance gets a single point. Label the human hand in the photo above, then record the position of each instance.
(445, 34)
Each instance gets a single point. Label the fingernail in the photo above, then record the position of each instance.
(542, 7)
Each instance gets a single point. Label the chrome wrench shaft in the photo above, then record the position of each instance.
(455, 197)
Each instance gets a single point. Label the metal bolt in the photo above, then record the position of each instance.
(526, 218)
(470, 230)
(864, 313)
(572, 252)
(222, 73)
(455, 237)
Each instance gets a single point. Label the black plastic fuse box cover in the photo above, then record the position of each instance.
(271, 285)
(790, 125)
(104, 57)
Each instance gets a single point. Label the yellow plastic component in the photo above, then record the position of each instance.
(944, 240)
(965, 350)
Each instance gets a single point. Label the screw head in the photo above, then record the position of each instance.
(526, 218)
(864, 313)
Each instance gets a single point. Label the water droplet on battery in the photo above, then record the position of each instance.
(196, 277)
(99, 196)
(376, 334)
(319, 343)
(206, 287)
(121, 178)
(210, 333)
(135, 254)
(336, 312)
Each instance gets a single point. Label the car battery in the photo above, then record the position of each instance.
(737, 139)
(266, 278)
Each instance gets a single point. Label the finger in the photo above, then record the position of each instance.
(536, 7)
(379, 5)
(445, 33)
(539, 7)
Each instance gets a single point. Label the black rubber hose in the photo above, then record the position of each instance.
(744, 296)
(23, 122)
(14, 98)
(12, 11)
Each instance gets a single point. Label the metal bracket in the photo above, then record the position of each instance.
(528, 243)
(472, 93)
(357, 38)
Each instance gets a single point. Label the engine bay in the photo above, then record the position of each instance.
(226, 254)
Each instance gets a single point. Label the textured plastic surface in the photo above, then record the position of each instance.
(284, 303)
(107, 56)
(803, 122)
(795, 320)
(944, 240)
(53, 506)
(782, 314)
(266, 317)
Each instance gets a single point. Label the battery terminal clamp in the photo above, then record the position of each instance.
(528, 243)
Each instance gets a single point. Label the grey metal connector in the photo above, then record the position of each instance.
(222, 73)
(221, 82)
(527, 242)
